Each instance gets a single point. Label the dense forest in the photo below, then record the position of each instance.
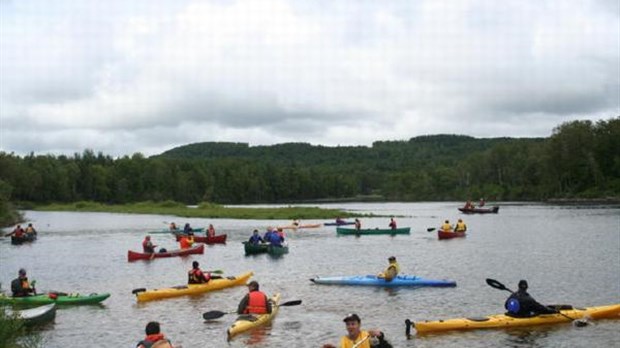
(581, 159)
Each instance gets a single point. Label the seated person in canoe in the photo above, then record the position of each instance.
(358, 224)
(468, 205)
(255, 301)
(30, 230)
(18, 232)
(521, 305)
(187, 241)
(481, 203)
(154, 338)
(392, 223)
(446, 227)
(356, 337)
(173, 226)
(187, 228)
(197, 276)
(460, 226)
(275, 239)
(148, 246)
(255, 238)
(391, 271)
(211, 231)
(20, 287)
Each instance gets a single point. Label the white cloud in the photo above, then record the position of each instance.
(264, 72)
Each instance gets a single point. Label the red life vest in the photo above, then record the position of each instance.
(257, 303)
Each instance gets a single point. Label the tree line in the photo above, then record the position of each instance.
(581, 159)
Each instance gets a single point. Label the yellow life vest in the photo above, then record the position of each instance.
(446, 227)
(346, 342)
(460, 227)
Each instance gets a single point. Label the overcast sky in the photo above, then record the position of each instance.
(145, 76)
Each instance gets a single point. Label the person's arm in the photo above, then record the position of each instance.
(243, 304)
(269, 306)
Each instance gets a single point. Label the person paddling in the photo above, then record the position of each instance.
(20, 287)
(255, 302)
(391, 271)
(521, 305)
(356, 337)
(154, 338)
(148, 246)
(460, 226)
(197, 276)
(358, 224)
(211, 231)
(392, 224)
(446, 227)
(255, 238)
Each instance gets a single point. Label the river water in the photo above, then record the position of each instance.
(568, 255)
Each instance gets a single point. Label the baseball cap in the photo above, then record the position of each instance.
(352, 316)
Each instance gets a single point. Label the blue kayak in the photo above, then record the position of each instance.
(371, 280)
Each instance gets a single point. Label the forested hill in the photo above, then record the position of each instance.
(581, 159)
(424, 150)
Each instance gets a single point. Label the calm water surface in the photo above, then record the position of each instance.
(567, 254)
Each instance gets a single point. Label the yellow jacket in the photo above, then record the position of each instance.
(345, 342)
(446, 227)
(460, 227)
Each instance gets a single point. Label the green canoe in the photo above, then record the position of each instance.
(352, 231)
(253, 249)
(58, 298)
(277, 250)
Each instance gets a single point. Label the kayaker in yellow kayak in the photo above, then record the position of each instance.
(20, 286)
(356, 337)
(460, 226)
(154, 338)
(255, 302)
(521, 305)
(446, 227)
(391, 271)
(197, 276)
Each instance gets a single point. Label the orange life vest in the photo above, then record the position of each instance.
(257, 303)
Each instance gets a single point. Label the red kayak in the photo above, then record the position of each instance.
(447, 235)
(493, 210)
(134, 255)
(220, 239)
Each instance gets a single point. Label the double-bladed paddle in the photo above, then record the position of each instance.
(136, 291)
(218, 314)
(497, 285)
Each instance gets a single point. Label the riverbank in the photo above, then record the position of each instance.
(203, 210)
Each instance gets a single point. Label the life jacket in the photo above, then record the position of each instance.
(30, 229)
(393, 224)
(346, 342)
(446, 227)
(146, 247)
(150, 340)
(184, 242)
(196, 276)
(211, 232)
(257, 303)
(19, 232)
(460, 227)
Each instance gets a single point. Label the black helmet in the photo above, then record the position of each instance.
(195, 264)
(522, 284)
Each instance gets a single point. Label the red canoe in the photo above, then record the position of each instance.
(447, 235)
(493, 210)
(220, 239)
(133, 255)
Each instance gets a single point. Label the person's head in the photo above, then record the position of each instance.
(255, 231)
(147, 237)
(522, 285)
(392, 259)
(460, 220)
(195, 264)
(29, 225)
(21, 273)
(447, 221)
(152, 328)
(210, 225)
(253, 285)
(353, 323)
(279, 229)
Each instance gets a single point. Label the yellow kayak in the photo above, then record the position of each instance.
(504, 321)
(192, 289)
(242, 323)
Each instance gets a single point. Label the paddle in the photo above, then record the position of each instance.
(138, 290)
(360, 342)
(497, 285)
(218, 314)
(430, 229)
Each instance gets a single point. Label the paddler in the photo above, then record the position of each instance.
(521, 305)
(186, 241)
(255, 302)
(358, 337)
(154, 338)
(391, 271)
(197, 276)
(20, 287)
(148, 246)
(460, 226)
(446, 227)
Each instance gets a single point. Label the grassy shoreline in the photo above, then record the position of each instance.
(204, 210)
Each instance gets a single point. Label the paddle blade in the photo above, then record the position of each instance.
(213, 315)
(430, 229)
(290, 303)
(135, 291)
(495, 284)
(217, 271)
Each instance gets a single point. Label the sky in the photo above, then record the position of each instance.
(121, 77)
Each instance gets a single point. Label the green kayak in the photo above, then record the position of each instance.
(53, 297)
